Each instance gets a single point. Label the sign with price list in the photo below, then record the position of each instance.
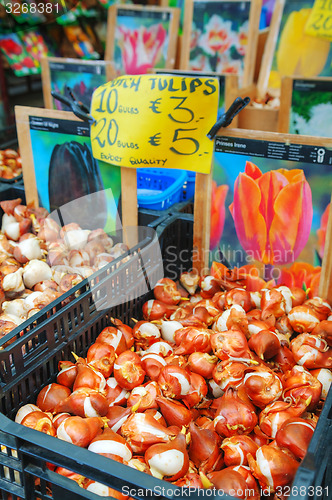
(320, 20)
(155, 121)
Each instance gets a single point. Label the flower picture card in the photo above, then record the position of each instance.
(221, 36)
(141, 37)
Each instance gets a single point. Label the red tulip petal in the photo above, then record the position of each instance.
(252, 170)
(249, 223)
(218, 270)
(291, 225)
(217, 213)
(271, 183)
(293, 175)
(249, 269)
(314, 285)
(254, 283)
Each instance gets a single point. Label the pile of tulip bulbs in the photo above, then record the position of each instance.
(10, 164)
(217, 387)
(39, 260)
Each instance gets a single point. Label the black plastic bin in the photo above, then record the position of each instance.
(25, 453)
(12, 191)
(147, 216)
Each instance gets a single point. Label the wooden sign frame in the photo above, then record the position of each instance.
(128, 175)
(202, 207)
(46, 73)
(251, 48)
(286, 98)
(174, 20)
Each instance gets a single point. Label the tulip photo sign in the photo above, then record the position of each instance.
(306, 106)
(275, 212)
(82, 77)
(297, 53)
(221, 36)
(141, 37)
(59, 167)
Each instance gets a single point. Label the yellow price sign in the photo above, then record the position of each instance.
(155, 121)
(319, 23)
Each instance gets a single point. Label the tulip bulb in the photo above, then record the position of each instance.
(28, 249)
(111, 443)
(233, 415)
(295, 435)
(190, 282)
(174, 381)
(25, 410)
(236, 449)
(168, 329)
(84, 402)
(13, 282)
(161, 348)
(39, 421)
(51, 395)
(174, 412)
(78, 430)
(230, 482)
(273, 467)
(204, 448)
(324, 376)
(36, 271)
(168, 459)
(142, 428)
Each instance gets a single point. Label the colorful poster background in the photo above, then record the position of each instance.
(141, 41)
(219, 36)
(228, 166)
(298, 54)
(43, 144)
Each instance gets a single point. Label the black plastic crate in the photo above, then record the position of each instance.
(12, 191)
(147, 216)
(131, 275)
(24, 452)
(313, 480)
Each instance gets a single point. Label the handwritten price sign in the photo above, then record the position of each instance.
(155, 121)
(320, 20)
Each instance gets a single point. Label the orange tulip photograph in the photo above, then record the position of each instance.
(271, 213)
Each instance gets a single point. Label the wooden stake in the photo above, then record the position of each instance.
(202, 223)
(46, 82)
(325, 284)
(129, 205)
(251, 49)
(285, 104)
(270, 46)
